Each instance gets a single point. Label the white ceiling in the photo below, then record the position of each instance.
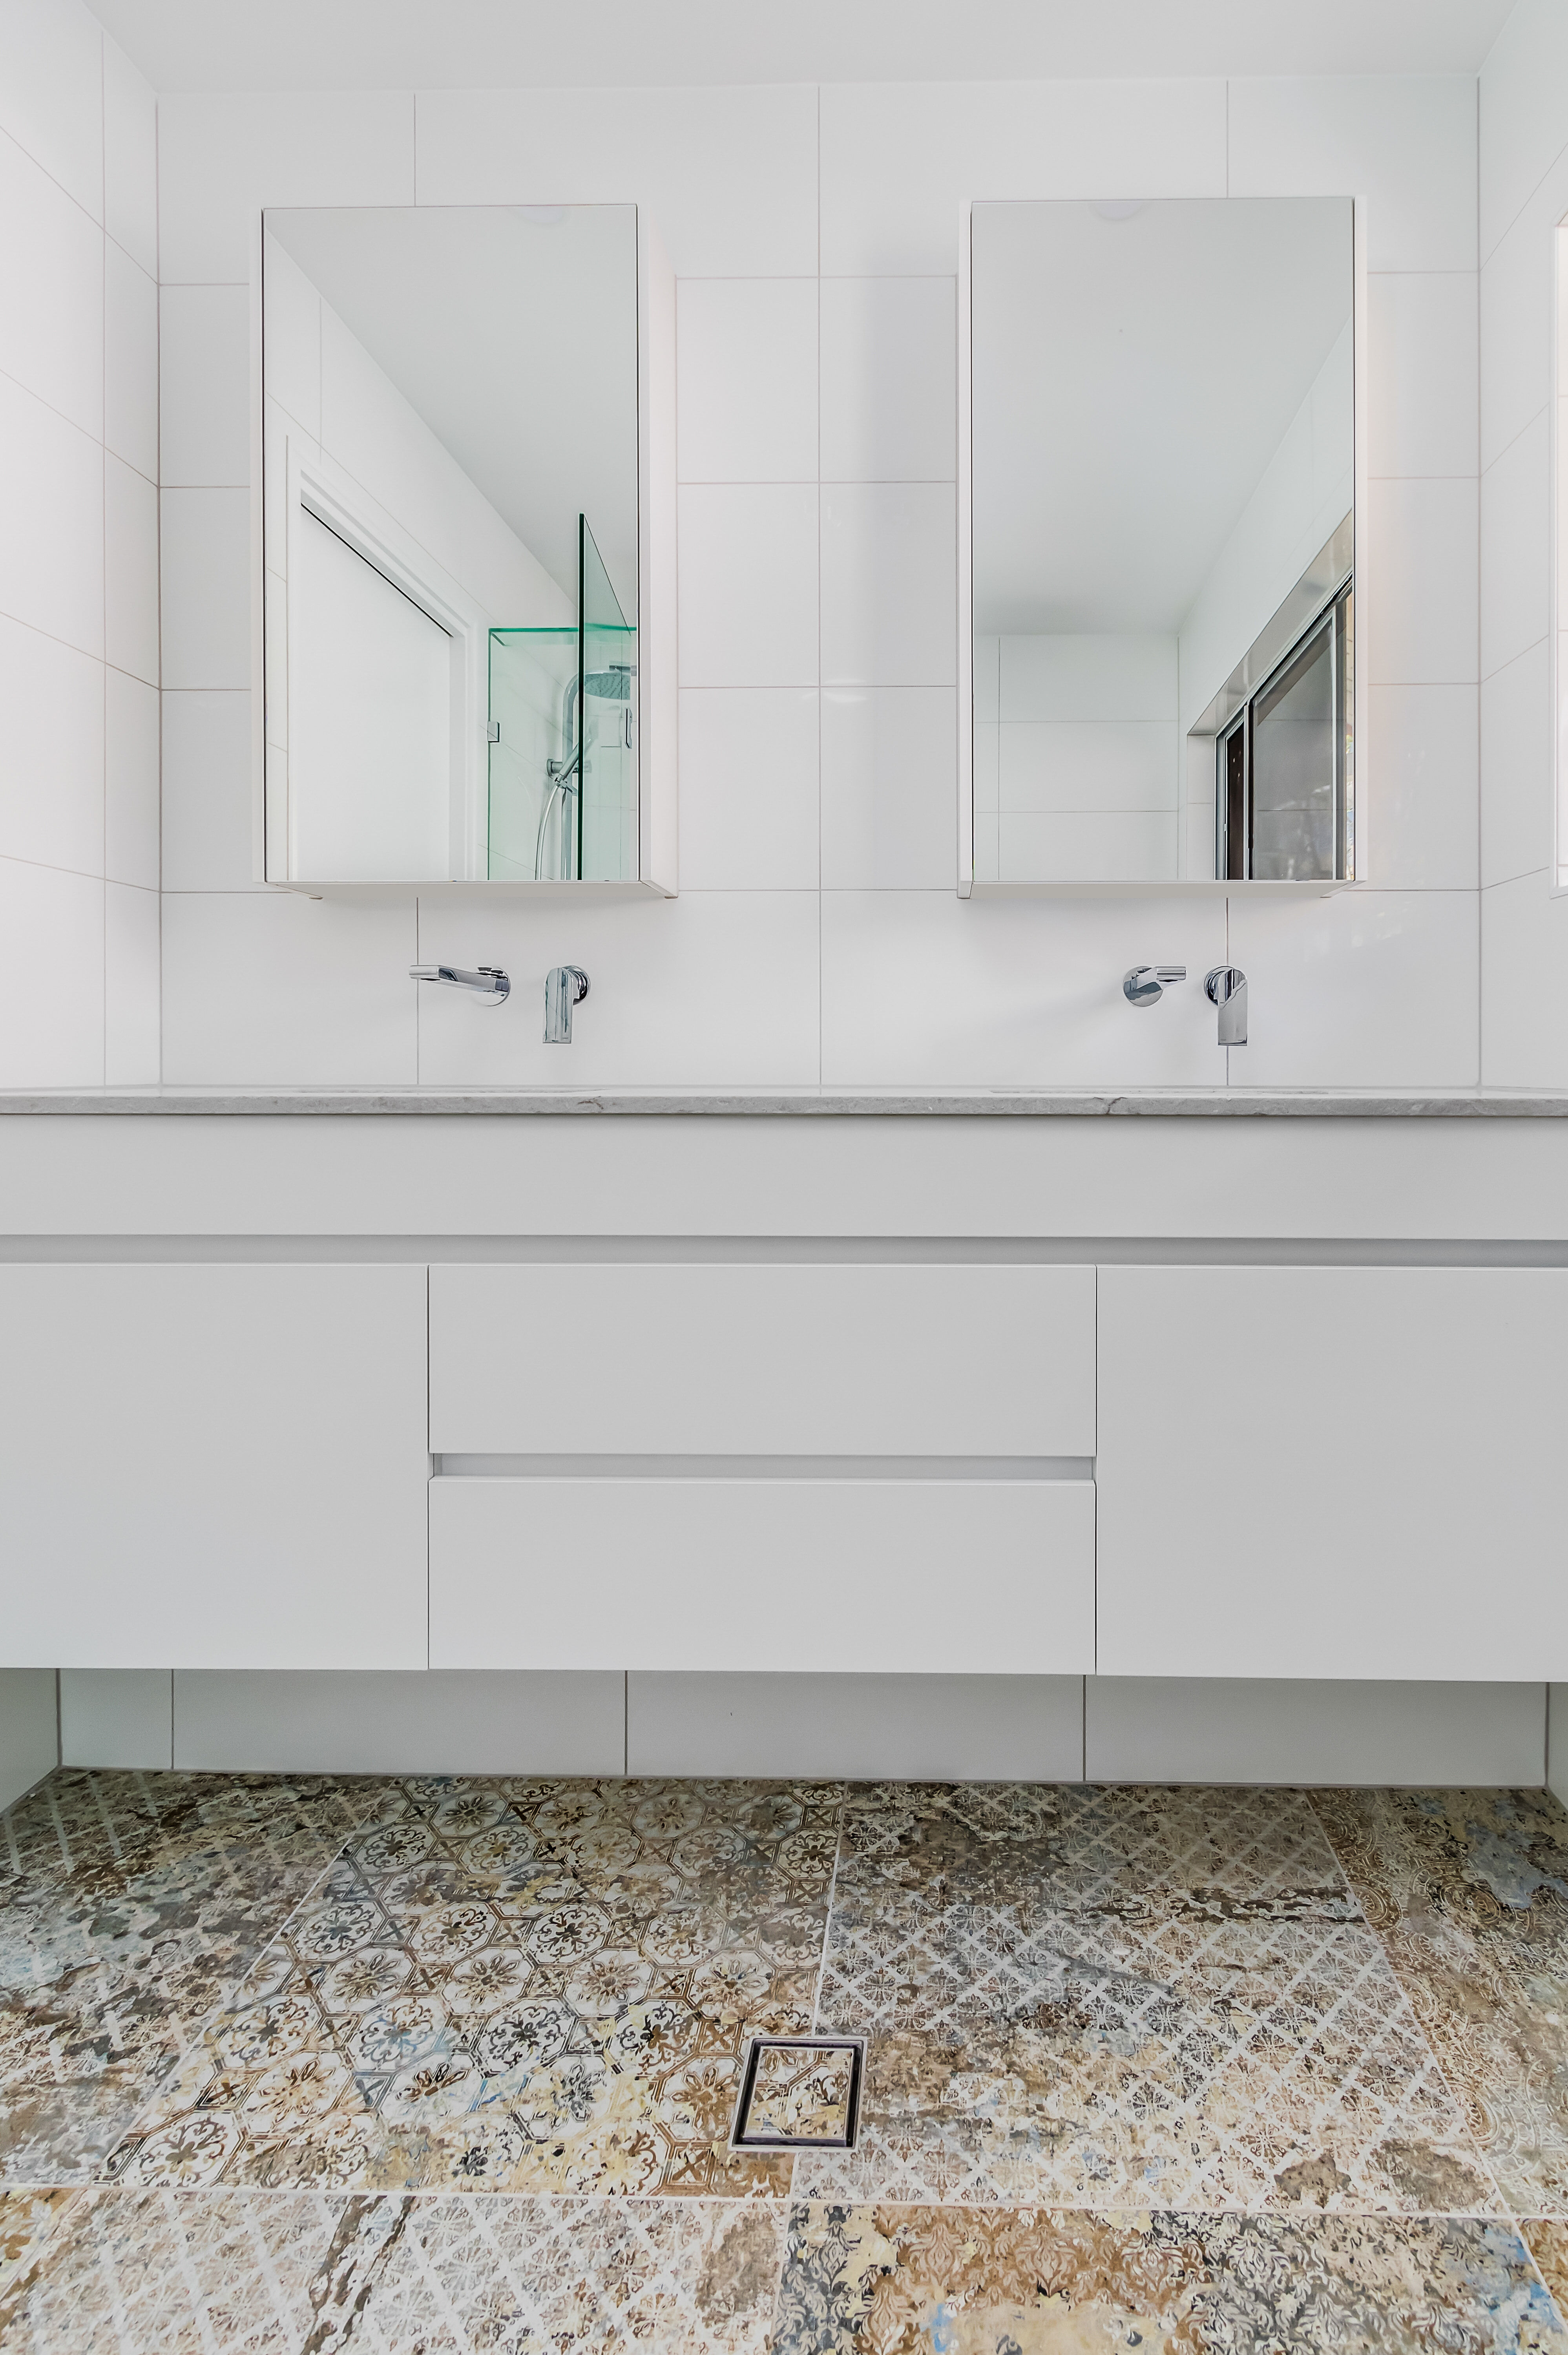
(513, 331)
(545, 44)
(1133, 377)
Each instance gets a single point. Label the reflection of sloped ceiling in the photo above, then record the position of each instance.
(513, 332)
(1133, 377)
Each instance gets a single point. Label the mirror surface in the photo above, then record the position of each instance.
(450, 542)
(1162, 540)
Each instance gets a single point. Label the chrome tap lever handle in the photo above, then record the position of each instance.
(1225, 985)
(489, 983)
(1145, 984)
(565, 985)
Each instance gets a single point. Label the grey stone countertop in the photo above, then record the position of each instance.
(512, 1104)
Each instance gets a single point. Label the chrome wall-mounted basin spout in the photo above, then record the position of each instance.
(1226, 988)
(1146, 984)
(565, 985)
(489, 983)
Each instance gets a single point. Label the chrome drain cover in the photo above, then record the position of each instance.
(800, 2093)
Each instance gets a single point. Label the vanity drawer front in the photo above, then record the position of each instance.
(761, 1360)
(978, 1576)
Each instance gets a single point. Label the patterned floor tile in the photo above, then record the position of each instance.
(1469, 1891)
(136, 1905)
(526, 1984)
(895, 2280)
(1026, 2051)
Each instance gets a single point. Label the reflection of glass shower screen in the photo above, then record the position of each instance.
(533, 677)
(608, 805)
(1294, 767)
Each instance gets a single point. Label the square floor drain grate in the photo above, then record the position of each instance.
(800, 2093)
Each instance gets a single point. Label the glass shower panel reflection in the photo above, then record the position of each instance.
(533, 699)
(607, 807)
(1294, 767)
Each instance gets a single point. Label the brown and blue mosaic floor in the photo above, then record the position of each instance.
(427, 2066)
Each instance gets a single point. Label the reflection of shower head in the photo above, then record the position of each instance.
(612, 685)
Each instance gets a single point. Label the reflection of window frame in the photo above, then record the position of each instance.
(320, 487)
(1233, 750)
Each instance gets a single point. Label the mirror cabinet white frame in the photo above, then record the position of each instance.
(970, 884)
(361, 525)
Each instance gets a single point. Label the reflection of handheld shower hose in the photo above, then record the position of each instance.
(559, 771)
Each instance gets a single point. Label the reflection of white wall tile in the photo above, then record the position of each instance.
(294, 340)
(1423, 798)
(51, 751)
(51, 977)
(51, 522)
(890, 787)
(729, 176)
(315, 992)
(748, 379)
(1105, 677)
(221, 157)
(129, 571)
(889, 589)
(1422, 374)
(1366, 989)
(749, 789)
(131, 781)
(1516, 541)
(1404, 142)
(1515, 767)
(1089, 847)
(922, 989)
(131, 987)
(206, 589)
(1422, 589)
(1090, 765)
(130, 363)
(51, 292)
(206, 792)
(899, 158)
(205, 393)
(748, 585)
(888, 379)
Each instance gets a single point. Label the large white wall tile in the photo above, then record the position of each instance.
(1515, 767)
(729, 176)
(748, 585)
(900, 157)
(1524, 940)
(208, 793)
(923, 989)
(206, 589)
(1405, 144)
(51, 521)
(51, 92)
(1422, 375)
(1091, 845)
(51, 292)
(749, 789)
(888, 584)
(129, 571)
(717, 989)
(888, 379)
(890, 787)
(1367, 989)
(1421, 586)
(1424, 787)
(205, 387)
(222, 157)
(131, 987)
(1516, 547)
(1520, 109)
(748, 379)
(1516, 307)
(51, 751)
(131, 781)
(130, 362)
(130, 158)
(263, 989)
(51, 978)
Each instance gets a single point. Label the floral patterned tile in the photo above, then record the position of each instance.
(1469, 1891)
(143, 1902)
(906, 2280)
(1020, 2055)
(1235, 1855)
(516, 1984)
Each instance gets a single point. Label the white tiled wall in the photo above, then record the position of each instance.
(79, 555)
(817, 936)
(1523, 195)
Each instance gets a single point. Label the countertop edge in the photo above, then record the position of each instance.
(448, 1103)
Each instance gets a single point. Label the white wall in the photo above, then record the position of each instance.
(1523, 195)
(813, 235)
(79, 555)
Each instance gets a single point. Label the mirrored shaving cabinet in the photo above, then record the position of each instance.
(1157, 542)
(466, 567)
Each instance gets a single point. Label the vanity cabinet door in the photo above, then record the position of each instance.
(1333, 1472)
(213, 1466)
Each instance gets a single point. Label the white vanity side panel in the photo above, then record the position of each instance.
(213, 1466)
(957, 1576)
(781, 1360)
(1332, 1472)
